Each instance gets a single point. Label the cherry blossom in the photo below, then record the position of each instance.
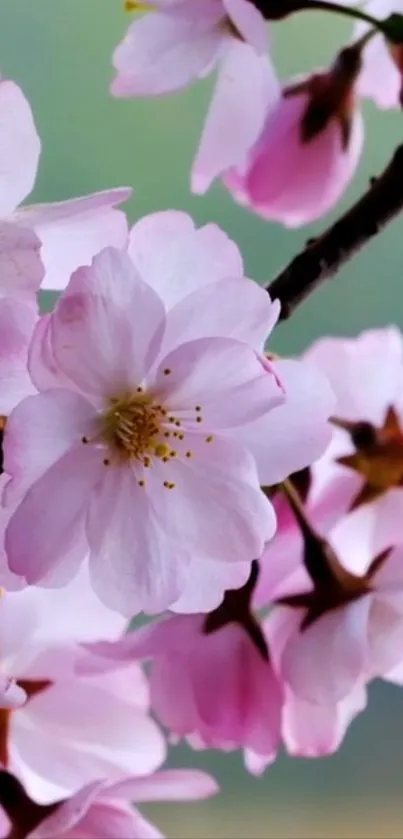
(380, 77)
(309, 729)
(365, 454)
(102, 808)
(69, 232)
(308, 149)
(72, 728)
(179, 42)
(127, 454)
(211, 678)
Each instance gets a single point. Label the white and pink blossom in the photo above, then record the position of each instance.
(180, 42)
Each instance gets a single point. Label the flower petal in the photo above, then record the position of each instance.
(107, 326)
(323, 663)
(245, 89)
(231, 308)
(165, 51)
(296, 432)
(230, 382)
(72, 232)
(19, 147)
(176, 258)
(46, 529)
(21, 268)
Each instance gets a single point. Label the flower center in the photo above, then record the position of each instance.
(131, 427)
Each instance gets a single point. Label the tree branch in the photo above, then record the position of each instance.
(323, 257)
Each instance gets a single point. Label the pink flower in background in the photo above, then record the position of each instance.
(180, 42)
(307, 152)
(365, 456)
(309, 729)
(103, 808)
(69, 232)
(211, 679)
(381, 75)
(346, 632)
(72, 728)
(130, 455)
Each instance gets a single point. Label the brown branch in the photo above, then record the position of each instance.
(323, 257)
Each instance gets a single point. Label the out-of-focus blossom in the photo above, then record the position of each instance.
(308, 149)
(128, 451)
(68, 233)
(211, 679)
(72, 728)
(101, 808)
(381, 75)
(366, 451)
(309, 729)
(179, 42)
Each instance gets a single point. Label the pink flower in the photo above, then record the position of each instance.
(309, 729)
(72, 728)
(102, 808)
(307, 151)
(365, 456)
(380, 78)
(126, 453)
(211, 680)
(180, 42)
(70, 232)
(17, 322)
(345, 632)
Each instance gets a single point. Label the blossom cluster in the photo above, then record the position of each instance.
(158, 460)
(285, 149)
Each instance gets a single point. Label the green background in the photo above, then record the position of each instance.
(59, 51)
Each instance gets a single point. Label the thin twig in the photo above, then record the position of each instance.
(323, 257)
(279, 9)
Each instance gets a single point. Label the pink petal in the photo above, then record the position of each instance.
(107, 326)
(315, 730)
(249, 22)
(19, 147)
(16, 327)
(72, 232)
(207, 582)
(176, 258)
(323, 663)
(348, 362)
(296, 432)
(40, 430)
(379, 78)
(168, 785)
(246, 88)
(95, 732)
(135, 564)
(21, 268)
(231, 308)
(46, 528)
(68, 813)
(226, 378)
(166, 51)
(216, 508)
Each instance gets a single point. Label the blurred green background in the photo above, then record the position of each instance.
(59, 51)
